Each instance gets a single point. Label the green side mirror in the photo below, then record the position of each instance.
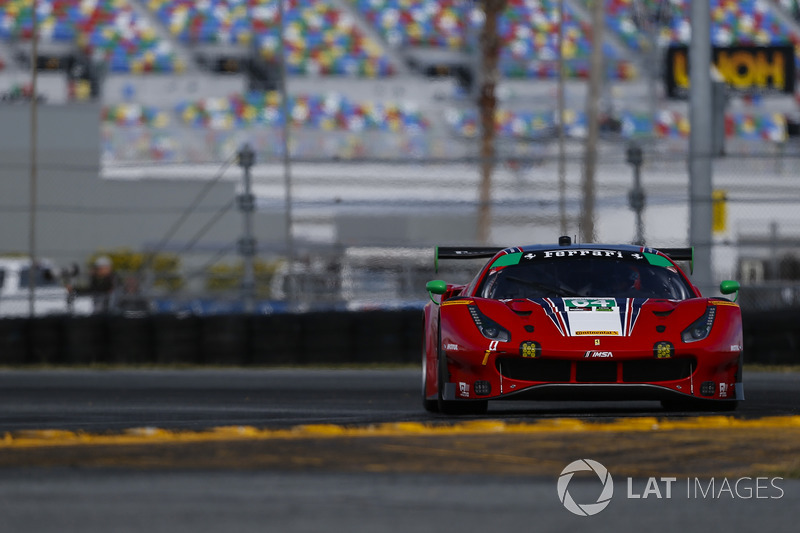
(436, 286)
(729, 286)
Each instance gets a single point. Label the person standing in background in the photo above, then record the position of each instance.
(103, 285)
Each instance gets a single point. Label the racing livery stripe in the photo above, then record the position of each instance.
(630, 313)
(552, 313)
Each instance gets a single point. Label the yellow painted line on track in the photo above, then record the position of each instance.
(141, 436)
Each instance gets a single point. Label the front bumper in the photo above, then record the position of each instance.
(711, 376)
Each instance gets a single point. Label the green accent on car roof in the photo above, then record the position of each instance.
(658, 260)
(507, 259)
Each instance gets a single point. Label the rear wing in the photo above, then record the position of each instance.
(680, 254)
(484, 252)
(462, 252)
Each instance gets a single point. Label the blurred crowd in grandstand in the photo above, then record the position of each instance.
(362, 40)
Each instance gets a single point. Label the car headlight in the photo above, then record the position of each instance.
(488, 327)
(700, 328)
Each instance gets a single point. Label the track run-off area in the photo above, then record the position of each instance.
(352, 450)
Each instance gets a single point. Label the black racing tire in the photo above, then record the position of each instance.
(453, 407)
(432, 406)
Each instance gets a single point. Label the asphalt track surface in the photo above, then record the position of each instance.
(101, 400)
(321, 481)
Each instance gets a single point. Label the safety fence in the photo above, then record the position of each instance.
(315, 338)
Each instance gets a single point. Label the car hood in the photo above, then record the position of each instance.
(618, 317)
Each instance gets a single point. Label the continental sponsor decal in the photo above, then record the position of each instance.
(596, 332)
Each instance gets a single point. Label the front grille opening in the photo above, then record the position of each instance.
(596, 372)
(533, 369)
(649, 370)
(558, 370)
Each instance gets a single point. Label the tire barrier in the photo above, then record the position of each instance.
(46, 340)
(772, 337)
(176, 339)
(275, 340)
(130, 340)
(327, 338)
(381, 336)
(13, 341)
(86, 340)
(225, 340)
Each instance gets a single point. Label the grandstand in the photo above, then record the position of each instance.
(382, 109)
(167, 68)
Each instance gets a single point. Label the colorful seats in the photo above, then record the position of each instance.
(323, 112)
(319, 38)
(527, 29)
(744, 22)
(109, 30)
(634, 124)
(134, 114)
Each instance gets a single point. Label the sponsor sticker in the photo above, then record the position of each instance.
(590, 304)
(594, 354)
(463, 389)
(492, 348)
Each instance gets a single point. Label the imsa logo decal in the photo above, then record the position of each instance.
(594, 354)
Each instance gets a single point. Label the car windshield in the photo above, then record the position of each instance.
(608, 274)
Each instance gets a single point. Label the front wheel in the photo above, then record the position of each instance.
(432, 406)
(454, 407)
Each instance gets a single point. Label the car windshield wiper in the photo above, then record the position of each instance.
(559, 291)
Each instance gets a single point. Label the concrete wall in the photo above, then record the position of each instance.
(78, 213)
(406, 229)
(166, 90)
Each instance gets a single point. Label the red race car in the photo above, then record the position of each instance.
(579, 321)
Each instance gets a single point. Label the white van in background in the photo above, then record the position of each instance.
(51, 296)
